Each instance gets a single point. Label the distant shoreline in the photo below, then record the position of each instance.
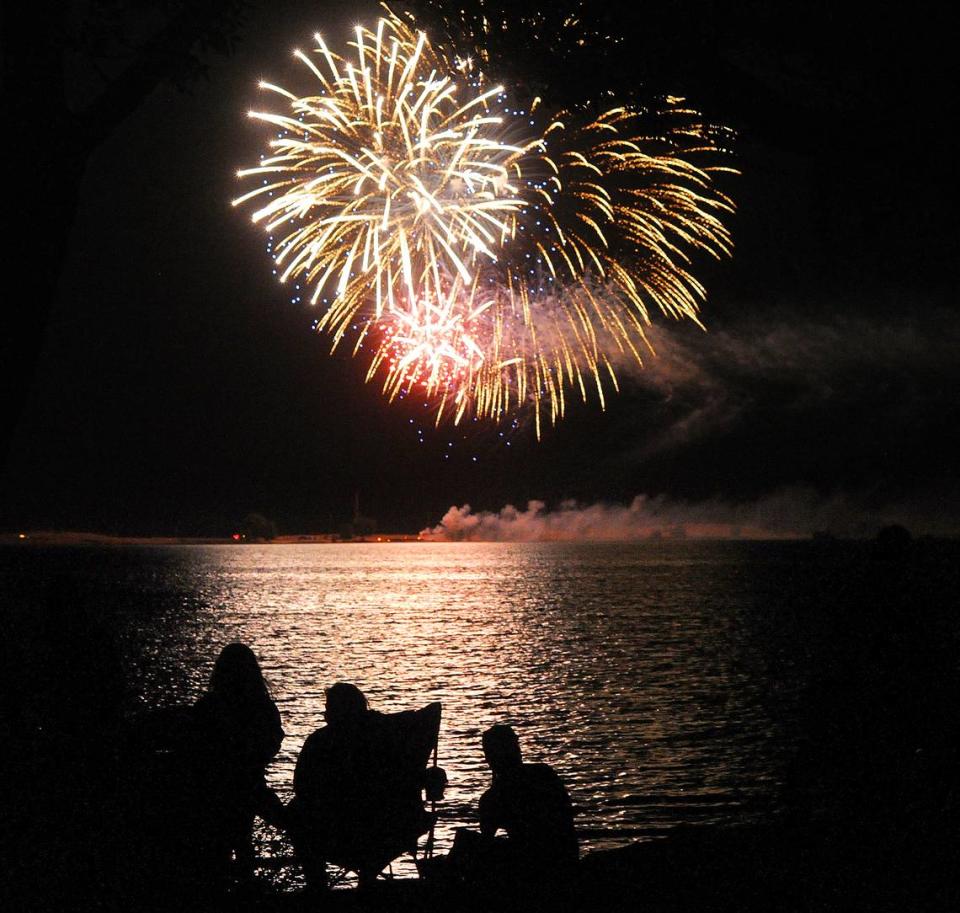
(48, 537)
(73, 538)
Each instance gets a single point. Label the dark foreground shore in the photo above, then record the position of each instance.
(695, 870)
(780, 867)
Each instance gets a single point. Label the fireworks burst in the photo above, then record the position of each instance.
(490, 255)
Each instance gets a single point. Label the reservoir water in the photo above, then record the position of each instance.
(661, 679)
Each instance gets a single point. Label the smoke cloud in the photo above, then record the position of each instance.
(787, 514)
(709, 383)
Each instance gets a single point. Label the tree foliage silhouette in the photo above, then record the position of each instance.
(71, 74)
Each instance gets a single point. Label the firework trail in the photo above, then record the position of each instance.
(490, 255)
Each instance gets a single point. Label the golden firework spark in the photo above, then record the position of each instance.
(493, 256)
(384, 179)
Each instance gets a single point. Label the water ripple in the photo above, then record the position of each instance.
(641, 672)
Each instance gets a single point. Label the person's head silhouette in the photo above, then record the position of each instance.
(344, 702)
(501, 748)
(236, 674)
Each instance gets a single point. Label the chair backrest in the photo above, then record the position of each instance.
(389, 819)
(407, 740)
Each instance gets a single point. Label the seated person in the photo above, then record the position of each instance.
(237, 732)
(193, 781)
(357, 786)
(530, 803)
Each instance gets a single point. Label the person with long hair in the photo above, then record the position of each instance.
(238, 733)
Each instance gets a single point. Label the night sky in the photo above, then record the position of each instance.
(178, 388)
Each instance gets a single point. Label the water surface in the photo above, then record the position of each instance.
(652, 675)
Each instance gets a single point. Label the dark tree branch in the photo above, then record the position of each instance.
(165, 56)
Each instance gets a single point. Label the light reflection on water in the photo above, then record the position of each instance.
(647, 674)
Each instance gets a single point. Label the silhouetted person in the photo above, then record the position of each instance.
(328, 781)
(237, 733)
(357, 786)
(194, 780)
(529, 802)
(538, 857)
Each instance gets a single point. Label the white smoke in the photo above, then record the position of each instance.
(708, 382)
(787, 514)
